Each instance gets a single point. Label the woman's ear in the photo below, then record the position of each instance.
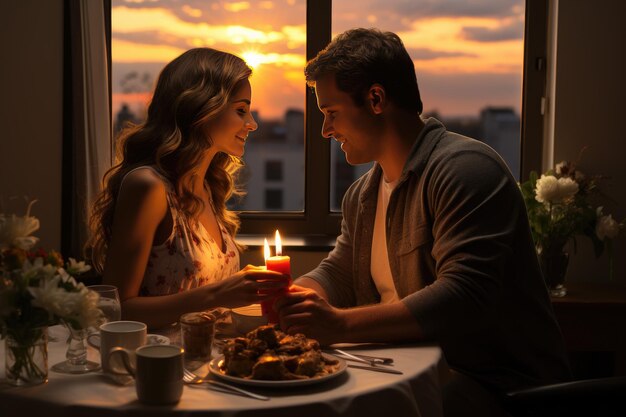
(377, 98)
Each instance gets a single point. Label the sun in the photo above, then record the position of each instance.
(253, 58)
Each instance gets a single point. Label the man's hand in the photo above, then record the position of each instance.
(302, 310)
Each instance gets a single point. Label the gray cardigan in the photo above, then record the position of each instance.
(461, 257)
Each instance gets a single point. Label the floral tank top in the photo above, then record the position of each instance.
(190, 257)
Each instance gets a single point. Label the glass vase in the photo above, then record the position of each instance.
(553, 267)
(26, 356)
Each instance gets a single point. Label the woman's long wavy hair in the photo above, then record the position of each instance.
(190, 92)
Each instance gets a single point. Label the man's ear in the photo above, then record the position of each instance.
(377, 98)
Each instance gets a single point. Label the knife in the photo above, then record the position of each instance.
(376, 368)
(370, 360)
(379, 360)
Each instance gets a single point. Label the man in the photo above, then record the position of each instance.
(435, 242)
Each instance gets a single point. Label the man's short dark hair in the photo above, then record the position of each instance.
(361, 57)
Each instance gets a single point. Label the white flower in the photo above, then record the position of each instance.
(567, 187)
(38, 269)
(88, 314)
(75, 268)
(607, 227)
(52, 298)
(67, 278)
(546, 188)
(549, 189)
(78, 305)
(85, 312)
(15, 231)
(559, 167)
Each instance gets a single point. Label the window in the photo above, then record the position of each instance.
(469, 61)
(273, 170)
(275, 40)
(273, 199)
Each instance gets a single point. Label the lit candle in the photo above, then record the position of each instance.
(278, 263)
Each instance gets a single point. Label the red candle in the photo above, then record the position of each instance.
(278, 263)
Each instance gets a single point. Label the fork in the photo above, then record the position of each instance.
(191, 378)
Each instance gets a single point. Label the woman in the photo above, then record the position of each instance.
(161, 230)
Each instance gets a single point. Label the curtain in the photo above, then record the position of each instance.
(87, 152)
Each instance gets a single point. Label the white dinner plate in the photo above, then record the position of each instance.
(215, 370)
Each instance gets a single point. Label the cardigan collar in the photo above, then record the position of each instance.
(419, 154)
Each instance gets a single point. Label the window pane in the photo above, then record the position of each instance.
(273, 170)
(269, 35)
(468, 58)
(274, 198)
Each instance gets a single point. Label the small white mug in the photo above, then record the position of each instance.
(158, 372)
(125, 334)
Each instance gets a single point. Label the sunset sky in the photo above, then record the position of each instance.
(467, 54)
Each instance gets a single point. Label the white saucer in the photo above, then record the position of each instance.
(157, 339)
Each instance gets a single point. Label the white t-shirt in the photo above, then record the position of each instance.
(379, 268)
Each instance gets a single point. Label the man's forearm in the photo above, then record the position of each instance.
(380, 323)
(307, 282)
(303, 310)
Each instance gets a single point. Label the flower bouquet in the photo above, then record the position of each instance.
(37, 289)
(561, 205)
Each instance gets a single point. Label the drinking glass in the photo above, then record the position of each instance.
(76, 357)
(76, 361)
(109, 301)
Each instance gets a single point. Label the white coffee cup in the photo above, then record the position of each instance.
(247, 318)
(124, 334)
(158, 372)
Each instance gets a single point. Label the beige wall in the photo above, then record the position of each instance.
(31, 113)
(590, 108)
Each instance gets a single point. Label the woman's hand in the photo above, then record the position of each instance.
(302, 310)
(251, 285)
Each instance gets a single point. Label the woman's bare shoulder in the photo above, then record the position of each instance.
(143, 178)
(143, 184)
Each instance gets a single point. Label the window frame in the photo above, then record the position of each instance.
(317, 219)
(534, 87)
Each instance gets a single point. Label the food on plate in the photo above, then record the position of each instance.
(266, 353)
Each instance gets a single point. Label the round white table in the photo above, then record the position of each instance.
(357, 392)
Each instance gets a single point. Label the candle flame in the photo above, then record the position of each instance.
(266, 250)
(278, 243)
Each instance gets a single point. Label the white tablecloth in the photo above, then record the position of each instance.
(357, 393)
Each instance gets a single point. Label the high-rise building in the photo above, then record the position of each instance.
(501, 131)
